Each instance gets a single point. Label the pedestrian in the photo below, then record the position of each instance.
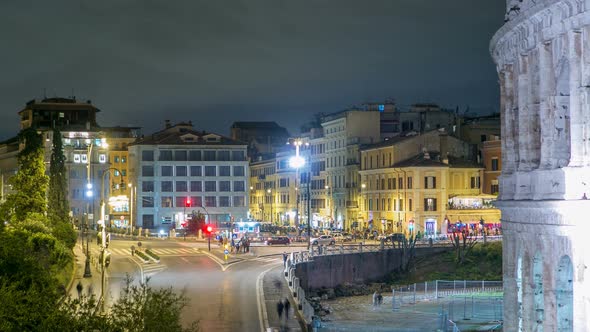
(233, 244)
(284, 258)
(280, 307)
(379, 298)
(287, 306)
(238, 247)
(375, 298)
(79, 288)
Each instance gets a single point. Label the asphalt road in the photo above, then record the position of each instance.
(224, 296)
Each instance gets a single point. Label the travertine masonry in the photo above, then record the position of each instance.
(542, 55)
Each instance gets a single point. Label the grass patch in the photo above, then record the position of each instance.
(152, 254)
(483, 263)
(142, 255)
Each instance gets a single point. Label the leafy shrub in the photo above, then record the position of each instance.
(142, 255)
(151, 253)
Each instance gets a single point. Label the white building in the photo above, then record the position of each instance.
(542, 55)
(179, 164)
(344, 132)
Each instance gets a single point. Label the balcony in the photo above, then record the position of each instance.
(352, 204)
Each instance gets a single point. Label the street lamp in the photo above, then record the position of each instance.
(271, 199)
(104, 252)
(132, 197)
(330, 202)
(298, 162)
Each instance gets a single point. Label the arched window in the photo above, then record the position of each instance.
(564, 291)
(519, 292)
(538, 292)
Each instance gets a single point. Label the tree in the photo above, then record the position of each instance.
(196, 222)
(407, 251)
(462, 242)
(57, 202)
(30, 182)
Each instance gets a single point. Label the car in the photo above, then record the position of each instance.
(277, 240)
(342, 237)
(395, 237)
(323, 240)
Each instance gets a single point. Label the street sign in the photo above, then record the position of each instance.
(91, 216)
(226, 251)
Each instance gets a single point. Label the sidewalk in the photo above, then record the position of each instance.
(89, 285)
(276, 289)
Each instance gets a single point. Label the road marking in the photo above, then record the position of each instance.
(220, 262)
(141, 276)
(262, 314)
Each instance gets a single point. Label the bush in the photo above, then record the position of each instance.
(142, 255)
(151, 253)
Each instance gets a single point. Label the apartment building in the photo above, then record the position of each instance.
(427, 183)
(492, 161)
(343, 133)
(180, 164)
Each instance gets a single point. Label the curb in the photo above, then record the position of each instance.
(74, 270)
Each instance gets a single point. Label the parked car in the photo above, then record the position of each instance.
(342, 237)
(277, 240)
(395, 237)
(323, 240)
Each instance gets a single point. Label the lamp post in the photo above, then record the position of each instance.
(330, 201)
(132, 194)
(89, 194)
(297, 162)
(269, 191)
(104, 252)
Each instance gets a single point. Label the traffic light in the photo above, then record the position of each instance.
(209, 229)
(188, 202)
(106, 255)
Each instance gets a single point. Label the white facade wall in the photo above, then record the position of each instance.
(163, 212)
(342, 136)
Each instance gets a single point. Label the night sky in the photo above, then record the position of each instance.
(215, 62)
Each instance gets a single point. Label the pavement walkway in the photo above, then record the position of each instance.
(84, 286)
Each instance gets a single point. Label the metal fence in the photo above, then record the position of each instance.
(432, 290)
(348, 248)
(474, 309)
(460, 300)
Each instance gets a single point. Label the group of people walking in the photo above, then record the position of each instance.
(283, 307)
(235, 246)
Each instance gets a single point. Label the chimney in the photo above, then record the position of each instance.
(444, 147)
(168, 125)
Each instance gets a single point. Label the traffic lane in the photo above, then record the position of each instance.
(221, 301)
(117, 273)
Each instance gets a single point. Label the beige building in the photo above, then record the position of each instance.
(404, 189)
(343, 134)
(492, 161)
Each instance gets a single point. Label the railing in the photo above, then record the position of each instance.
(433, 290)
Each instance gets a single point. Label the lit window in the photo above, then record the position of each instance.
(84, 158)
(102, 158)
(77, 158)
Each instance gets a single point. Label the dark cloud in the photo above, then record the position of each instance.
(215, 62)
